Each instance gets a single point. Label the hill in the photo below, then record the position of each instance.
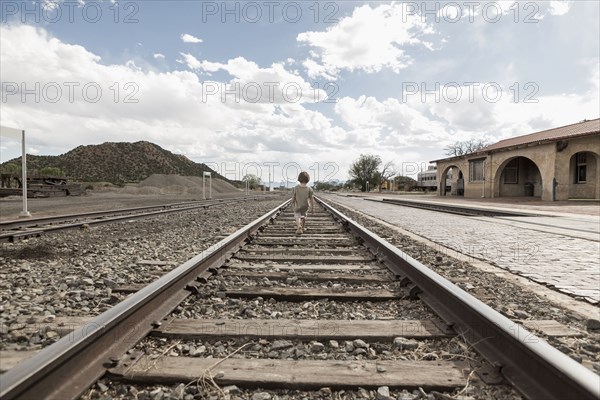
(117, 163)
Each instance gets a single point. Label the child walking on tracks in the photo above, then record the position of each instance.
(302, 197)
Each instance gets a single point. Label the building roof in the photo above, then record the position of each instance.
(582, 128)
(564, 132)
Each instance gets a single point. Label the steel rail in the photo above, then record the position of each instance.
(12, 235)
(35, 222)
(67, 368)
(529, 363)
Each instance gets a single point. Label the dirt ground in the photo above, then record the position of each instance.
(10, 207)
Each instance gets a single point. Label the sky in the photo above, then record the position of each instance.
(274, 87)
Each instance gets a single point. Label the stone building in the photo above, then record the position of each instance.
(555, 164)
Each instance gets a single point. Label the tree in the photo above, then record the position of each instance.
(364, 171)
(253, 181)
(461, 148)
(52, 171)
(10, 168)
(389, 170)
(329, 185)
(405, 183)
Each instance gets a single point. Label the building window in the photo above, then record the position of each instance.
(580, 167)
(511, 171)
(476, 170)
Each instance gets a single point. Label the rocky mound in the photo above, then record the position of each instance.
(176, 184)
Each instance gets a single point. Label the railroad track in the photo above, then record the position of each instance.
(11, 231)
(267, 306)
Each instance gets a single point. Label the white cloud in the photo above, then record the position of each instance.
(191, 61)
(251, 83)
(369, 40)
(173, 109)
(159, 56)
(187, 38)
(560, 7)
(413, 121)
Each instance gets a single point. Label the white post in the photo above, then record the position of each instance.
(203, 194)
(205, 174)
(24, 213)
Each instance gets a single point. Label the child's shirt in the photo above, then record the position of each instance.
(301, 194)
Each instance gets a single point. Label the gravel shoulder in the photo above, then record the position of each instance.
(514, 301)
(72, 273)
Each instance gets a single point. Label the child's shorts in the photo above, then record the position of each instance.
(300, 214)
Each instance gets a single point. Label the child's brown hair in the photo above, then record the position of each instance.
(304, 177)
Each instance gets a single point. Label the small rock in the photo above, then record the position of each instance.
(51, 334)
(591, 347)
(364, 393)
(359, 352)
(404, 343)
(381, 369)
(383, 393)
(261, 396)
(49, 318)
(157, 394)
(522, 314)
(196, 352)
(179, 391)
(407, 396)
(232, 389)
(281, 344)
(250, 313)
(133, 391)
(317, 347)
(87, 281)
(358, 343)
(334, 344)
(101, 387)
(430, 357)
(109, 283)
(593, 325)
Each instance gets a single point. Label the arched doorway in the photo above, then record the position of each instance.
(453, 183)
(519, 177)
(583, 175)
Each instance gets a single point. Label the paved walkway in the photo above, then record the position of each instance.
(561, 251)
